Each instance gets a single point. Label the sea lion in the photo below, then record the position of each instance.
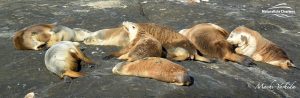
(210, 40)
(143, 45)
(251, 43)
(156, 68)
(63, 33)
(36, 37)
(64, 58)
(33, 37)
(113, 36)
(177, 46)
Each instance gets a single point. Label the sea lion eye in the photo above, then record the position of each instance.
(133, 26)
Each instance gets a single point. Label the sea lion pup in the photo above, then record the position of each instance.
(63, 59)
(113, 36)
(176, 45)
(210, 40)
(63, 33)
(251, 43)
(33, 37)
(141, 45)
(155, 68)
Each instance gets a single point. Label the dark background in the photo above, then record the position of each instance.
(22, 72)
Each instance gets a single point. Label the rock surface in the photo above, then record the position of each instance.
(22, 72)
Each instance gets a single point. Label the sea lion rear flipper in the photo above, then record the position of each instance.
(73, 74)
(76, 53)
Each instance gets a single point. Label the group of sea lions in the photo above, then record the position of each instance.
(149, 49)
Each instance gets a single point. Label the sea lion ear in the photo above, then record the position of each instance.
(243, 38)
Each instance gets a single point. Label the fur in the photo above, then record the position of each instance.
(63, 33)
(142, 46)
(63, 59)
(155, 68)
(34, 37)
(254, 45)
(210, 40)
(113, 36)
(177, 46)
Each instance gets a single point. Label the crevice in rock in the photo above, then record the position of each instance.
(141, 10)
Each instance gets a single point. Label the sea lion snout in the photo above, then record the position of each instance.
(186, 80)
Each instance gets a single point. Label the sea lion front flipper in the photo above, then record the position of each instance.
(201, 58)
(249, 62)
(73, 74)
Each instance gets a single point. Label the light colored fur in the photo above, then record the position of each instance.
(63, 57)
(32, 37)
(210, 40)
(113, 36)
(244, 48)
(254, 45)
(155, 68)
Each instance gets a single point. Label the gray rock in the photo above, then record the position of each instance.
(22, 72)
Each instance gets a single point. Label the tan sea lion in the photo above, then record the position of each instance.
(32, 37)
(210, 40)
(35, 37)
(155, 68)
(177, 46)
(64, 58)
(251, 43)
(143, 45)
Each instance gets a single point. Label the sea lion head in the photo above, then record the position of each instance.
(33, 37)
(237, 38)
(131, 28)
